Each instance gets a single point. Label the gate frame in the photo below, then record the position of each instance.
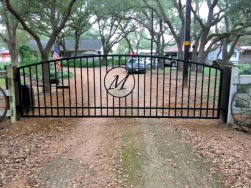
(223, 87)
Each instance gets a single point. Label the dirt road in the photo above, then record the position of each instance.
(100, 153)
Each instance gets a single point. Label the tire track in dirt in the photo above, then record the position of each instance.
(85, 157)
(153, 155)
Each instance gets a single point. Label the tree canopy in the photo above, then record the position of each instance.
(131, 24)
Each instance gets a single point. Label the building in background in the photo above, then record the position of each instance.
(5, 56)
(214, 54)
(85, 45)
(246, 55)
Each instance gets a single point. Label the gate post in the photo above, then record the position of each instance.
(233, 90)
(12, 96)
(226, 81)
(16, 78)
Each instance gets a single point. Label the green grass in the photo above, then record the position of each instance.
(244, 69)
(2, 82)
(132, 157)
(206, 72)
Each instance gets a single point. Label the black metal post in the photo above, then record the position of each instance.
(187, 42)
(17, 93)
(152, 36)
(225, 89)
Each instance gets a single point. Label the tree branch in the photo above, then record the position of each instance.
(21, 20)
(168, 22)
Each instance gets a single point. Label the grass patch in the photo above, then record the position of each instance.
(244, 69)
(206, 72)
(132, 158)
(2, 82)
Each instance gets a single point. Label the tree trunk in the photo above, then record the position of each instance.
(14, 57)
(62, 43)
(104, 59)
(13, 49)
(76, 45)
(180, 55)
(162, 61)
(11, 41)
(226, 56)
(194, 54)
(46, 71)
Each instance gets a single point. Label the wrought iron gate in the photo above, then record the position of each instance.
(119, 86)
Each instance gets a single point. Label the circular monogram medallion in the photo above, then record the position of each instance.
(118, 83)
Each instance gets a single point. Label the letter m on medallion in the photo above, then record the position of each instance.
(116, 84)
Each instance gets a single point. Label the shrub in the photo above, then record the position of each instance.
(97, 62)
(26, 55)
(59, 74)
(3, 64)
(116, 61)
(77, 63)
(246, 72)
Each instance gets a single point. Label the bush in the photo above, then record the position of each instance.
(97, 63)
(246, 72)
(59, 74)
(3, 64)
(116, 61)
(26, 55)
(77, 63)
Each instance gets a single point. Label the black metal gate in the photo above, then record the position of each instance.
(119, 86)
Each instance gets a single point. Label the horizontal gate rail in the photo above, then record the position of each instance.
(120, 86)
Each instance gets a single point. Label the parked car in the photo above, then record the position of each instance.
(170, 62)
(149, 62)
(135, 65)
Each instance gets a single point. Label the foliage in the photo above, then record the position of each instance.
(38, 18)
(97, 63)
(9, 36)
(26, 55)
(79, 63)
(244, 69)
(122, 48)
(112, 28)
(35, 72)
(79, 21)
(23, 36)
(245, 40)
(92, 33)
(3, 44)
(246, 72)
(3, 64)
(121, 61)
(121, 22)
(58, 74)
